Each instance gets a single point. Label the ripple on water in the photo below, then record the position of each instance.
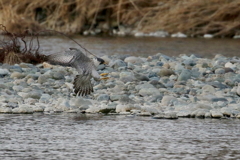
(72, 136)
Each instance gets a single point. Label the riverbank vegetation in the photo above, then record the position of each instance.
(220, 18)
(17, 48)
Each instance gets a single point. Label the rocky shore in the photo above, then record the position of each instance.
(159, 86)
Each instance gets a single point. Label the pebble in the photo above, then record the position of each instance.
(126, 77)
(160, 85)
(216, 114)
(17, 75)
(5, 110)
(23, 109)
(133, 59)
(3, 72)
(168, 100)
(144, 114)
(165, 72)
(170, 115)
(103, 97)
(185, 75)
(140, 77)
(238, 89)
(117, 64)
(80, 103)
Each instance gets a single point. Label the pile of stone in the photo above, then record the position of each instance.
(159, 86)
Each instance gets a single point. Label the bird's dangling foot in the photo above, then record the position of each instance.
(104, 76)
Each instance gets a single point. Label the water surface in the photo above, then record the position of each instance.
(144, 46)
(76, 136)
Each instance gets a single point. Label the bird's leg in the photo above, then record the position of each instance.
(104, 74)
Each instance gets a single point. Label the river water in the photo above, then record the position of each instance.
(78, 136)
(144, 46)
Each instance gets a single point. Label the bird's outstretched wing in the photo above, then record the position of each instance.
(84, 66)
(67, 58)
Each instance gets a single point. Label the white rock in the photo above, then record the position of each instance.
(230, 65)
(17, 88)
(80, 102)
(93, 109)
(48, 109)
(124, 113)
(159, 34)
(135, 111)
(184, 113)
(200, 113)
(37, 109)
(170, 115)
(238, 89)
(169, 100)
(144, 114)
(69, 85)
(23, 108)
(208, 36)
(208, 89)
(5, 110)
(62, 104)
(203, 106)
(30, 101)
(216, 114)
(178, 35)
(139, 34)
(149, 91)
(22, 94)
(106, 59)
(45, 98)
(220, 71)
(17, 75)
(125, 107)
(4, 72)
(208, 115)
(150, 109)
(144, 85)
(236, 36)
(126, 77)
(133, 59)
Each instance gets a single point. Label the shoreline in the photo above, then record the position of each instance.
(158, 86)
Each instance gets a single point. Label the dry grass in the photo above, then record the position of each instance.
(16, 48)
(192, 17)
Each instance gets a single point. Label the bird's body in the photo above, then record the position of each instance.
(83, 64)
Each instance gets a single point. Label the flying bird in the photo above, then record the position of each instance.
(85, 66)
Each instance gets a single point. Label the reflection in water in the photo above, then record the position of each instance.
(75, 136)
(144, 46)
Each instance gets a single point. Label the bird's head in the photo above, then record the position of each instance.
(100, 60)
(97, 61)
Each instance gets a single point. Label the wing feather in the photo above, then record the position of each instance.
(82, 85)
(83, 64)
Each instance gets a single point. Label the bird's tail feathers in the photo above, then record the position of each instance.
(82, 85)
